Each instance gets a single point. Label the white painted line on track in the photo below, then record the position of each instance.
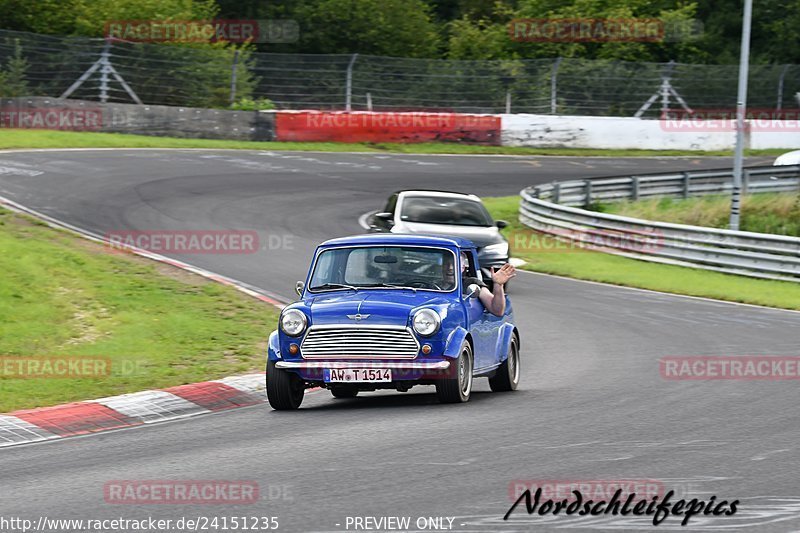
(384, 153)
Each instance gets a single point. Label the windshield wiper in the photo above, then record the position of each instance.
(391, 285)
(334, 286)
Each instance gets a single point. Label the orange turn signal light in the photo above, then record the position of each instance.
(426, 349)
(293, 349)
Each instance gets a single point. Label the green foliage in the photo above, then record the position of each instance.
(13, 77)
(205, 76)
(401, 28)
(249, 104)
(482, 39)
(457, 29)
(52, 17)
(91, 17)
(608, 9)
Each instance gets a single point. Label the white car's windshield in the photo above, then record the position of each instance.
(442, 210)
(384, 267)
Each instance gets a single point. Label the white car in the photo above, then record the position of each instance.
(445, 213)
(789, 158)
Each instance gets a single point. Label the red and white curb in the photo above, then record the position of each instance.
(128, 410)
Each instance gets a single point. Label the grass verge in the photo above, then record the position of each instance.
(777, 213)
(61, 295)
(543, 255)
(23, 138)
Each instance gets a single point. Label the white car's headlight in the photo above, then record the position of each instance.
(426, 322)
(501, 248)
(293, 322)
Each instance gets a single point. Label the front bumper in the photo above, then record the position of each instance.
(402, 365)
(402, 371)
(487, 261)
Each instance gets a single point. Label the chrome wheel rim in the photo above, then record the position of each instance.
(465, 373)
(513, 363)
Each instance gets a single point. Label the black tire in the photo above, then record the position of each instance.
(343, 391)
(285, 390)
(459, 389)
(506, 377)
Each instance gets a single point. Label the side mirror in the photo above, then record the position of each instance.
(383, 219)
(299, 287)
(500, 224)
(472, 291)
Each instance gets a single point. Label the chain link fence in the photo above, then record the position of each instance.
(94, 69)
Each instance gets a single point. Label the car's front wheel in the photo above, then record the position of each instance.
(507, 376)
(285, 390)
(458, 389)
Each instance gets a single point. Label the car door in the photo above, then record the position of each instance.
(483, 325)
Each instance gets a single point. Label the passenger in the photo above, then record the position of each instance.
(494, 301)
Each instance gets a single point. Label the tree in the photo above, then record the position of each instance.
(401, 28)
(481, 39)
(663, 50)
(51, 17)
(13, 80)
(91, 18)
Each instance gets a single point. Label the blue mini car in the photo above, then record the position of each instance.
(390, 311)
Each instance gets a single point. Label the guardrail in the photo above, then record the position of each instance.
(551, 209)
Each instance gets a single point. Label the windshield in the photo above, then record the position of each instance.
(384, 267)
(442, 210)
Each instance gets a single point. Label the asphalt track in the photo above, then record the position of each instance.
(591, 405)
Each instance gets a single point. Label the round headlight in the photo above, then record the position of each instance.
(293, 322)
(426, 322)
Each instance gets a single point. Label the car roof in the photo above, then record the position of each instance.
(397, 239)
(438, 194)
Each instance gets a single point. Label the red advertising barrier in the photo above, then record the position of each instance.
(364, 126)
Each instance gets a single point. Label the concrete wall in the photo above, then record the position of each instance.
(628, 132)
(80, 115)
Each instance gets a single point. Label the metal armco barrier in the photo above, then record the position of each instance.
(552, 209)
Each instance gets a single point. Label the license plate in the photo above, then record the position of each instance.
(355, 375)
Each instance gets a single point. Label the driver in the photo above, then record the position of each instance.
(494, 301)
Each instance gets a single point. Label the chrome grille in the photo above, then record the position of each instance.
(366, 342)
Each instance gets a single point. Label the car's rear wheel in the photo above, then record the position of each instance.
(507, 376)
(285, 390)
(344, 391)
(458, 389)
